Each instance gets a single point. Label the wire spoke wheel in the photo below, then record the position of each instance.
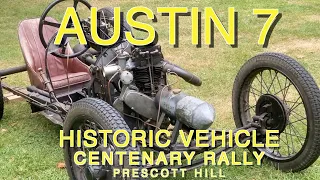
(279, 87)
(288, 110)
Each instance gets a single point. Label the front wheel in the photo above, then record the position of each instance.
(278, 86)
(94, 114)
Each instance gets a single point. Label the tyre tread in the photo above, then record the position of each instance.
(313, 95)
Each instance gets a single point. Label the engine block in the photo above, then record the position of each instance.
(148, 74)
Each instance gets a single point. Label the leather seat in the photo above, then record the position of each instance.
(34, 55)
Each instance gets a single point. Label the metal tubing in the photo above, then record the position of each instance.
(89, 60)
(184, 74)
(41, 92)
(13, 70)
(41, 101)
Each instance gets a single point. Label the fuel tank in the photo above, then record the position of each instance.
(189, 110)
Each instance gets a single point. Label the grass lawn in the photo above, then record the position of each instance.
(29, 144)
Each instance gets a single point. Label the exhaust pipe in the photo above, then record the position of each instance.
(184, 74)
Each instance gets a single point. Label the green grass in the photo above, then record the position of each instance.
(29, 144)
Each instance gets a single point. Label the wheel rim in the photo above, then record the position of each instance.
(289, 115)
(87, 171)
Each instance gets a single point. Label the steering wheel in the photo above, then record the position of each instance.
(44, 21)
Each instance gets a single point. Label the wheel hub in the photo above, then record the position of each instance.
(99, 171)
(276, 110)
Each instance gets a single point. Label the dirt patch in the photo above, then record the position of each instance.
(298, 46)
(313, 18)
(296, 2)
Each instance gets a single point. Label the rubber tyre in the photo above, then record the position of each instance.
(1, 102)
(101, 113)
(310, 93)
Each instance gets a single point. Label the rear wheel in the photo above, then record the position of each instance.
(94, 114)
(278, 86)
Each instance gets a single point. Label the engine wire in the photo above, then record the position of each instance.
(166, 86)
(67, 74)
(47, 72)
(109, 86)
